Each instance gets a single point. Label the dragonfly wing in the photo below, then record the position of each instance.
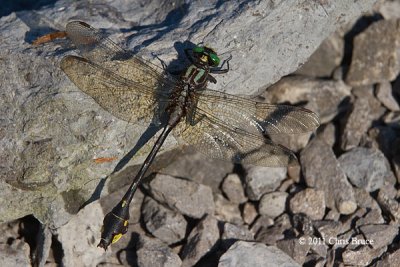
(96, 47)
(221, 141)
(124, 98)
(255, 117)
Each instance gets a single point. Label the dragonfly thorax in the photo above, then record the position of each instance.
(196, 77)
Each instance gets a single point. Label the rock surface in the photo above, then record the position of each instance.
(59, 151)
(255, 254)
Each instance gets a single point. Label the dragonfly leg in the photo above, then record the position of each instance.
(220, 70)
(210, 78)
(191, 117)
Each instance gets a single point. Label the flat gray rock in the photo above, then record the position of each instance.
(322, 171)
(189, 198)
(366, 168)
(64, 131)
(243, 254)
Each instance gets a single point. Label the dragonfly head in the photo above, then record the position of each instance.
(206, 55)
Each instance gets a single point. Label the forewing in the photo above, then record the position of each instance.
(96, 47)
(255, 117)
(126, 99)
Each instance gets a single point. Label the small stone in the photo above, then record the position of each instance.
(233, 189)
(249, 213)
(232, 233)
(310, 202)
(322, 97)
(295, 249)
(315, 260)
(153, 252)
(366, 168)
(226, 210)
(273, 204)
(328, 230)
(294, 171)
(380, 235)
(361, 256)
(325, 59)
(392, 119)
(165, 224)
(261, 223)
(332, 215)
(348, 222)
(384, 94)
(375, 54)
(201, 240)
(271, 234)
(390, 259)
(255, 254)
(390, 205)
(15, 254)
(286, 185)
(386, 139)
(364, 111)
(364, 199)
(303, 224)
(328, 134)
(187, 197)
(396, 166)
(319, 248)
(261, 180)
(373, 216)
(322, 171)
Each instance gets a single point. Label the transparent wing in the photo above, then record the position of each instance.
(235, 128)
(255, 117)
(96, 47)
(222, 141)
(127, 86)
(124, 98)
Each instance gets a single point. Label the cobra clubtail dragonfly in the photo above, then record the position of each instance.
(219, 125)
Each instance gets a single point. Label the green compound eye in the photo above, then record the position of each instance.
(214, 59)
(198, 49)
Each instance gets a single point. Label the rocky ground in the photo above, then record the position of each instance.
(339, 207)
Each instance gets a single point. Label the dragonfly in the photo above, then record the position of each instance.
(218, 124)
